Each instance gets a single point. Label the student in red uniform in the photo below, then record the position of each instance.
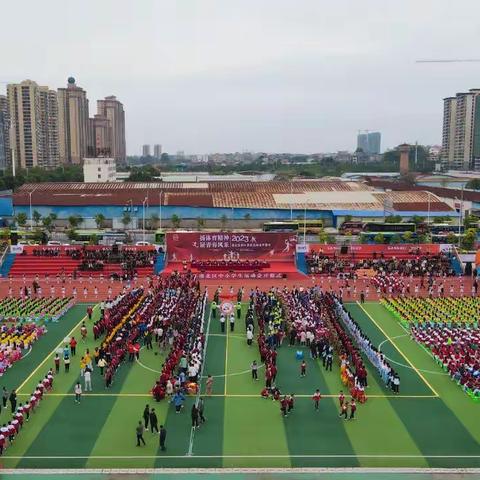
(303, 368)
(73, 346)
(291, 402)
(341, 399)
(3, 441)
(316, 398)
(344, 411)
(353, 409)
(284, 406)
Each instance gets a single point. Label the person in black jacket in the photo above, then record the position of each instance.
(13, 400)
(163, 437)
(146, 415)
(153, 421)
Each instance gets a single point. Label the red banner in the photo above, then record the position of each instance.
(227, 246)
(390, 250)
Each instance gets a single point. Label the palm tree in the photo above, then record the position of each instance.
(21, 219)
(126, 219)
(36, 216)
(200, 222)
(47, 223)
(74, 221)
(100, 220)
(176, 220)
(154, 221)
(223, 221)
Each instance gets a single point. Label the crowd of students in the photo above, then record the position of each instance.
(417, 265)
(434, 311)
(389, 376)
(181, 322)
(15, 340)
(457, 349)
(21, 411)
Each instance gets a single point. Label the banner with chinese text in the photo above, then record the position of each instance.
(189, 246)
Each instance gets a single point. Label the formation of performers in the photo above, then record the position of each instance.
(21, 411)
(456, 348)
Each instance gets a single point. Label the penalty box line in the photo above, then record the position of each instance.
(390, 339)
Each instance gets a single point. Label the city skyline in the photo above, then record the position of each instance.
(275, 77)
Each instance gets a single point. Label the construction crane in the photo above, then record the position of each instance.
(450, 60)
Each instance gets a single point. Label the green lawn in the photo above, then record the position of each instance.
(430, 424)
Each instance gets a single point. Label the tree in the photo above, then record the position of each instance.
(417, 220)
(223, 221)
(322, 236)
(423, 238)
(407, 237)
(36, 217)
(74, 221)
(347, 218)
(451, 238)
(126, 219)
(379, 238)
(48, 223)
(473, 184)
(363, 238)
(175, 220)
(470, 221)
(468, 240)
(395, 239)
(21, 219)
(100, 220)
(393, 219)
(154, 221)
(200, 222)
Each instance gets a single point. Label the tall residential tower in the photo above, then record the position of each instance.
(72, 123)
(33, 112)
(461, 131)
(112, 109)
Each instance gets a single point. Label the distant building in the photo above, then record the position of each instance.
(33, 112)
(461, 131)
(73, 123)
(113, 110)
(157, 151)
(145, 150)
(99, 170)
(99, 136)
(369, 143)
(4, 133)
(362, 142)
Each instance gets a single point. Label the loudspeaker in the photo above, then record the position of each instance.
(14, 238)
(343, 250)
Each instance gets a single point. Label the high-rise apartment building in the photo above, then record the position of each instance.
(100, 136)
(112, 109)
(145, 150)
(33, 112)
(157, 151)
(369, 143)
(72, 123)
(4, 133)
(461, 131)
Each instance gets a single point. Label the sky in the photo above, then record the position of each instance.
(207, 76)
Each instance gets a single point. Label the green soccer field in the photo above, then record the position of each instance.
(432, 423)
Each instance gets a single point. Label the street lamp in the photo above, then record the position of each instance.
(130, 202)
(31, 215)
(144, 203)
(160, 209)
